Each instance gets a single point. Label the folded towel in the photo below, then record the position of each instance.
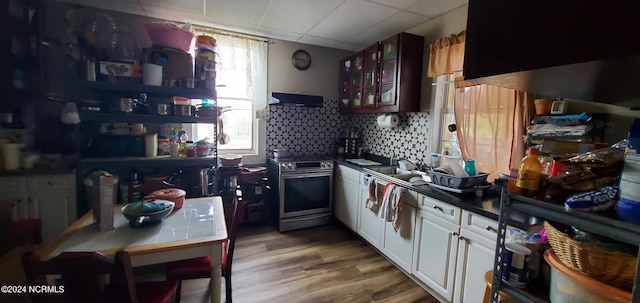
(372, 201)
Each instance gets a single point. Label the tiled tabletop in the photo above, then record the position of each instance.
(197, 219)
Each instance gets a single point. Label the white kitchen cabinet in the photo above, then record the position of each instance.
(347, 196)
(435, 252)
(476, 249)
(370, 224)
(52, 198)
(398, 246)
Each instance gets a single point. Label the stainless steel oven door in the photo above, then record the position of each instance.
(305, 193)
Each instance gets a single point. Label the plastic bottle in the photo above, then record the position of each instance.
(470, 167)
(529, 173)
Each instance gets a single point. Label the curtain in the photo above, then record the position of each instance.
(490, 126)
(446, 55)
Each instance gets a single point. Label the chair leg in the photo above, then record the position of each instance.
(227, 287)
(178, 291)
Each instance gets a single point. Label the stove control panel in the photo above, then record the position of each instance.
(306, 166)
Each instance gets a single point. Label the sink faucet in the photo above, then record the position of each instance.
(393, 161)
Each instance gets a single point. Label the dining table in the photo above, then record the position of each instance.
(195, 230)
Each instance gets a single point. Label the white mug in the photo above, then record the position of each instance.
(152, 74)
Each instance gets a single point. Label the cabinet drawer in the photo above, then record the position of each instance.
(347, 173)
(440, 209)
(480, 225)
(13, 184)
(51, 182)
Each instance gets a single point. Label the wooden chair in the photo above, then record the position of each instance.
(83, 273)
(200, 268)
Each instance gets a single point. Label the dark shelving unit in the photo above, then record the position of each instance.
(158, 91)
(141, 118)
(604, 225)
(149, 161)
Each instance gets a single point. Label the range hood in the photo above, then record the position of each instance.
(295, 100)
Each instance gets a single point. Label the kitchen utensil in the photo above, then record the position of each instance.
(202, 181)
(207, 111)
(125, 105)
(147, 211)
(230, 159)
(280, 152)
(174, 195)
(183, 110)
(163, 109)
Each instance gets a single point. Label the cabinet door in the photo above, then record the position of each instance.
(388, 72)
(347, 193)
(371, 76)
(398, 245)
(344, 87)
(54, 212)
(475, 258)
(356, 76)
(369, 224)
(435, 252)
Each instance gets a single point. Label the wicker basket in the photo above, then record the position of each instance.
(611, 267)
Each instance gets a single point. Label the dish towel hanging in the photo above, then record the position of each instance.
(372, 202)
(391, 208)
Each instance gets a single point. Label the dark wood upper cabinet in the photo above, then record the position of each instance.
(390, 74)
(584, 50)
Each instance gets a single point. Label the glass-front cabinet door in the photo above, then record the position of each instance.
(344, 88)
(388, 72)
(355, 101)
(371, 74)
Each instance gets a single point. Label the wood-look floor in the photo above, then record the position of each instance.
(320, 264)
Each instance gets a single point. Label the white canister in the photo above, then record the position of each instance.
(515, 268)
(152, 74)
(151, 145)
(174, 149)
(12, 155)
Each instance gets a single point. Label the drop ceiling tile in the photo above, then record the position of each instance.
(172, 15)
(232, 25)
(432, 8)
(123, 6)
(279, 34)
(250, 11)
(399, 4)
(191, 6)
(351, 18)
(389, 27)
(297, 16)
(313, 40)
(351, 46)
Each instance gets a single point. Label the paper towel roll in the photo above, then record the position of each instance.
(388, 121)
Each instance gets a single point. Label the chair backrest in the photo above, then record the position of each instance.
(237, 208)
(83, 276)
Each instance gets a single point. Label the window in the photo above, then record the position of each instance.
(241, 72)
(444, 141)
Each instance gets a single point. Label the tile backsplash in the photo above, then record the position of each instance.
(306, 130)
(409, 140)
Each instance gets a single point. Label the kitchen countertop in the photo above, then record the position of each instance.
(487, 206)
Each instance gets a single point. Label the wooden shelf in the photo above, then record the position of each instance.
(160, 91)
(140, 118)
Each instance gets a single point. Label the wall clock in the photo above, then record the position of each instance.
(301, 59)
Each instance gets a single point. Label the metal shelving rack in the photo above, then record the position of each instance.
(594, 223)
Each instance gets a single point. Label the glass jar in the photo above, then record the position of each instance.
(190, 149)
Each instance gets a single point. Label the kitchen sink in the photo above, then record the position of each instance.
(396, 172)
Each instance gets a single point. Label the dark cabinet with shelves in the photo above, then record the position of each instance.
(607, 226)
(389, 77)
(571, 49)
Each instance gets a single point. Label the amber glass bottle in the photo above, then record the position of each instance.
(529, 173)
